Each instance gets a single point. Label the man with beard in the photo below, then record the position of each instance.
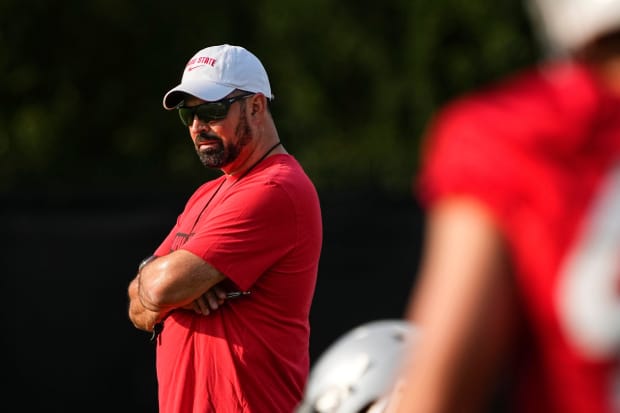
(227, 294)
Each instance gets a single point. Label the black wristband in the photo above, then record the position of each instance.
(146, 261)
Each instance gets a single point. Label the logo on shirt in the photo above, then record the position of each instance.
(179, 240)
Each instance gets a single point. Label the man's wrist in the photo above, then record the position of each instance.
(145, 261)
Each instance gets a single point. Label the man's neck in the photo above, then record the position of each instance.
(259, 154)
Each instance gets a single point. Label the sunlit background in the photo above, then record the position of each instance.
(93, 170)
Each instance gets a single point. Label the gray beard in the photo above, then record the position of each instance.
(222, 155)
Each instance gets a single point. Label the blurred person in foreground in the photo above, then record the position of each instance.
(228, 292)
(519, 286)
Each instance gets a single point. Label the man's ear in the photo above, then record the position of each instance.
(258, 104)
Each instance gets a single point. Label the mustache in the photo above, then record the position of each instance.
(204, 137)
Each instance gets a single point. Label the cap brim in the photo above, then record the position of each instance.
(202, 90)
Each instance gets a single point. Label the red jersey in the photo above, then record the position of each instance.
(264, 232)
(542, 151)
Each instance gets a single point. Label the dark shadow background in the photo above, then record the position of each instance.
(93, 171)
(68, 343)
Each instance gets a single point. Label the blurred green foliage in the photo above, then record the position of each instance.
(355, 83)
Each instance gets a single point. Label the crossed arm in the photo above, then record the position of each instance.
(177, 280)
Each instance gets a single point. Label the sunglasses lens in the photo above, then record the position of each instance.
(209, 111)
(186, 115)
(212, 111)
(205, 112)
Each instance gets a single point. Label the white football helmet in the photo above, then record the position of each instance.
(567, 25)
(356, 372)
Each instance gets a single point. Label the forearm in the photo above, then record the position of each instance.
(463, 306)
(175, 281)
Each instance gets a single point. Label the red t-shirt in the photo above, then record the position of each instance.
(264, 232)
(542, 151)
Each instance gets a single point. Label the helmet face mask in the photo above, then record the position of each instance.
(358, 369)
(566, 26)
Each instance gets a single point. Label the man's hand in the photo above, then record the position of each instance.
(208, 302)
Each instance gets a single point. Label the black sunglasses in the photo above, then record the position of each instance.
(208, 111)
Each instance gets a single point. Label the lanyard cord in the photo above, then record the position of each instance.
(224, 180)
(247, 171)
(157, 328)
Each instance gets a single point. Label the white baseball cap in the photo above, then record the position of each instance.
(567, 25)
(215, 71)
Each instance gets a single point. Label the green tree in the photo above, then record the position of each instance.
(355, 83)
